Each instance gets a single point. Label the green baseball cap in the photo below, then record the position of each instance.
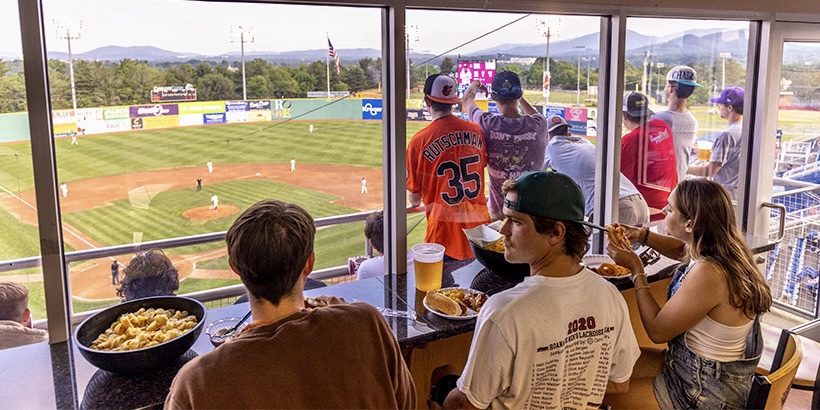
(551, 195)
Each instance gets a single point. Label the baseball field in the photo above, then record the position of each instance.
(141, 186)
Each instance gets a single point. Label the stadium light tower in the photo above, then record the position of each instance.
(242, 35)
(578, 82)
(411, 34)
(646, 55)
(69, 31)
(658, 81)
(548, 26)
(724, 56)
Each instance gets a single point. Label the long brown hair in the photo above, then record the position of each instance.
(717, 240)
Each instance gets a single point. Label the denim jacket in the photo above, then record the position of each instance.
(694, 382)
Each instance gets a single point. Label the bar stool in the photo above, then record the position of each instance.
(770, 391)
(807, 374)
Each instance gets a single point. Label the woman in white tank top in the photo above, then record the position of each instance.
(710, 317)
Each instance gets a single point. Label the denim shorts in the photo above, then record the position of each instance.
(689, 381)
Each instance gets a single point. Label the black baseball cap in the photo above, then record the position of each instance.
(637, 105)
(552, 195)
(506, 86)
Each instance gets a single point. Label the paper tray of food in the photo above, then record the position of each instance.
(484, 235)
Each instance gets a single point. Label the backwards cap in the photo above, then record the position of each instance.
(550, 195)
(684, 75)
(506, 86)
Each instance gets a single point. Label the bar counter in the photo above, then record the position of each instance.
(57, 376)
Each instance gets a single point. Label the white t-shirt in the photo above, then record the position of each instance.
(550, 343)
(684, 128)
(375, 266)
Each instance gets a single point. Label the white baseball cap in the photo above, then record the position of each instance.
(683, 74)
(441, 88)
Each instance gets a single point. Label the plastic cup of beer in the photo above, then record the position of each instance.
(704, 150)
(428, 260)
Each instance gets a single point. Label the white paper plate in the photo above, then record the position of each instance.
(470, 313)
(595, 260)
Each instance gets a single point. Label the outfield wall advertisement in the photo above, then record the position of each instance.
(88, 121)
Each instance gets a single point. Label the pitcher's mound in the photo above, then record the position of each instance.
(205, 212)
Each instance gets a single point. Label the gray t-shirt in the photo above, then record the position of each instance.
(726, 152)
(575, 156)
(684, 130)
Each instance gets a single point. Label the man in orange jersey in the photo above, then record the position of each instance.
(445, 170)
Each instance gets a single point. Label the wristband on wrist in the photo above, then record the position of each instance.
(637, 275)
(645, 237)
(637, 288)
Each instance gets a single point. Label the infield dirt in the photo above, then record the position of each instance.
(93, 280)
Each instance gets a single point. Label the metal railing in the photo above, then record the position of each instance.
(204, 296)
(109, 251)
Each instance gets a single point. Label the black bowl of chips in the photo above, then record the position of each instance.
(160, 352)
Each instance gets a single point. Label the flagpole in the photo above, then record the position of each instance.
(327, 67)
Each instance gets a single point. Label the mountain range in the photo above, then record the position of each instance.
(688, 47)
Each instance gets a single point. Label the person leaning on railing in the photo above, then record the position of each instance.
(711, 317)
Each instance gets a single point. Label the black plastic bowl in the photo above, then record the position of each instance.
(140, 360)
(495, 262)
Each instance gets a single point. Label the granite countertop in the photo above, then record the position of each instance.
(57, 376)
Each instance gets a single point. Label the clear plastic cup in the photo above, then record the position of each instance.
(705, 150)
(428, 260)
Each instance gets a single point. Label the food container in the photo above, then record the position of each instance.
(219, 331)
(483, 235)
(139, 360)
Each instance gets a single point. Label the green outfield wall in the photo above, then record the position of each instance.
(101, 120)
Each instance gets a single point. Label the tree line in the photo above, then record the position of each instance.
(129, 82)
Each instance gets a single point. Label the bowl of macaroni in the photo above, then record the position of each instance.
(141, 334)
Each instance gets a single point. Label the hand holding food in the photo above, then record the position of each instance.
(617, 235)
(624, 256)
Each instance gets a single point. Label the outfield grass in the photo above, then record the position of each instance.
(335, 244)
(163, 219)
(333, 142)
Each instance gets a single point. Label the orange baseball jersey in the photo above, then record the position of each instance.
(445, 164)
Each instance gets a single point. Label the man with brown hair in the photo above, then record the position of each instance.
(560, 339)
(150, 273)
(338, 356)
(15, 317)
(374, 233)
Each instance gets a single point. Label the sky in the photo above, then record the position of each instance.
(205, 27)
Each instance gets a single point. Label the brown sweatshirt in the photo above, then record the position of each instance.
(340, 356)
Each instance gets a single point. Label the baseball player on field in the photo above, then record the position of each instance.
(445, 170)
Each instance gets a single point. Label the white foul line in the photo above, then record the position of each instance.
(76, 235)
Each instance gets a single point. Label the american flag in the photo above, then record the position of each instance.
(332, 52)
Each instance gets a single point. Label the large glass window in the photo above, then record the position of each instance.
(18, 207)
(555, 59)
(171, 117)
(673, 71)
(792, 268)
